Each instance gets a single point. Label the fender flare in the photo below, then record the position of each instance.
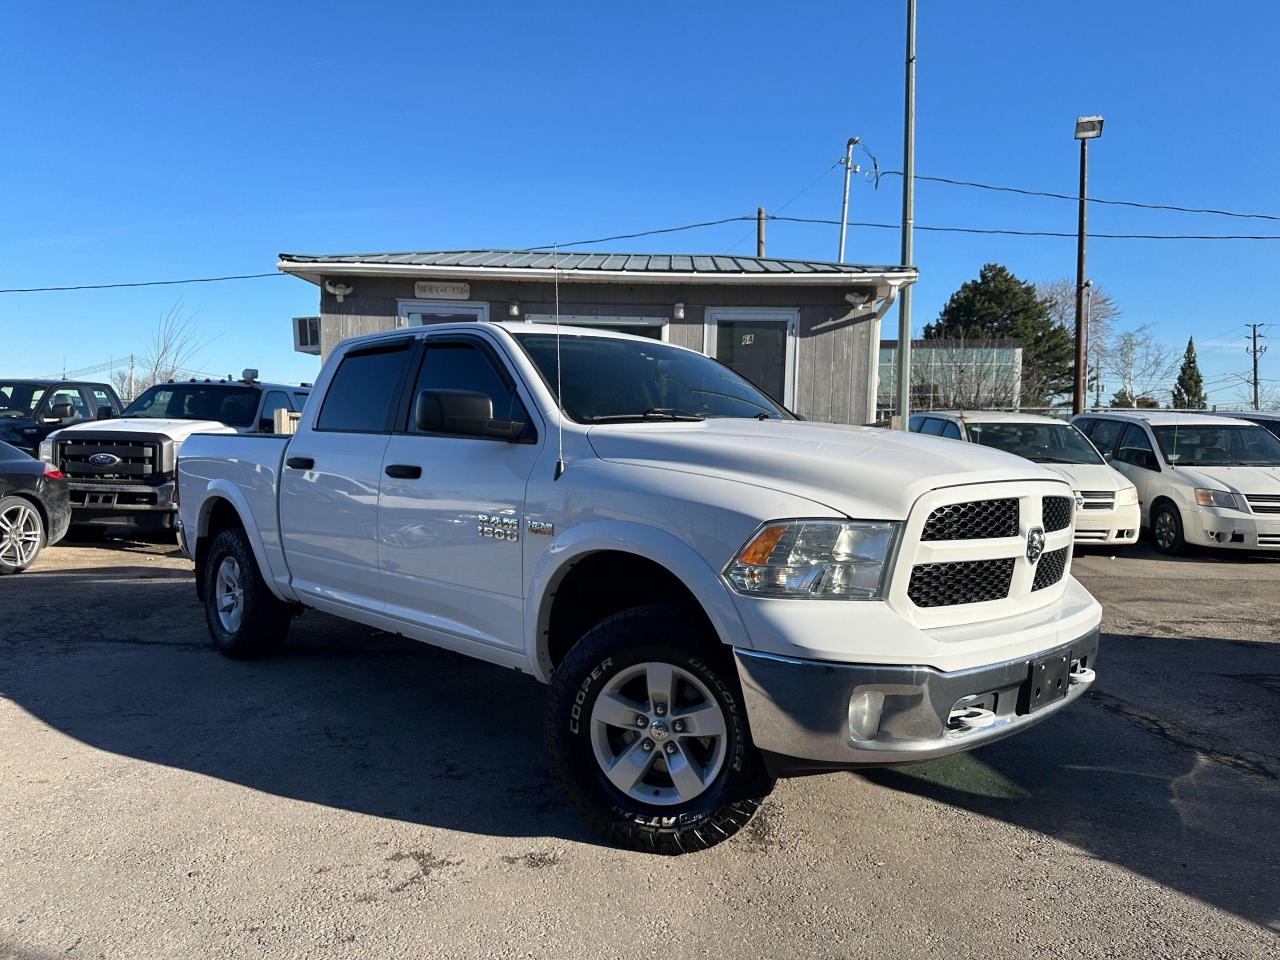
(271, 572)
(620, 536)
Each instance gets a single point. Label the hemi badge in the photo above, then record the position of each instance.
(542, 527)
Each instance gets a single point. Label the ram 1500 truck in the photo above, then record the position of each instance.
(716, 592)
(121, 468)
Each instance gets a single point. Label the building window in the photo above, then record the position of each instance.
(758, 344)
(306, 334)
(655, 328)
(421, 313)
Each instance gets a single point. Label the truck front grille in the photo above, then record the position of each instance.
(964, 581)
(1056, 513)
(136, 460)
(1098, 499)
(975, 520)
(1050, 569)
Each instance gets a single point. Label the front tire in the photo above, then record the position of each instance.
(648, 735)
(1166, 530)
(22, 534)
(246, 620)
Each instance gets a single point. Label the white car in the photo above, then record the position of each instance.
(1106, 502)
(1205, 480)
(716, 592)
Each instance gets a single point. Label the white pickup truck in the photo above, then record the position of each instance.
(717, 592)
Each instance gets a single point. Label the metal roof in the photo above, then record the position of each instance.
(690, 267)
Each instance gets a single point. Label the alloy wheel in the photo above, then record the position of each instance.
(228, 594)
(19, 535)
(658, 734)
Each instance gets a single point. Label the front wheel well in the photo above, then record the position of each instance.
(221, 515)
(600, 584)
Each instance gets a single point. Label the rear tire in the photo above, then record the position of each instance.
(623, 720)
(1166, 530)
(22, 534)
(246, 620)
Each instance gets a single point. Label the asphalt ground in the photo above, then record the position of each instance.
(364, 796)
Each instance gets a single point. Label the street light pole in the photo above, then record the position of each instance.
(1087, 128)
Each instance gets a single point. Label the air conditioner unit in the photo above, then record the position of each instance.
(306, 335)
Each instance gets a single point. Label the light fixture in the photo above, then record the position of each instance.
(677, 312)
(1088, 128)
(339, 290)
(513, 309)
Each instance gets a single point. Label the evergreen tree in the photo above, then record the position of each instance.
(1188, 392)
(999, 306)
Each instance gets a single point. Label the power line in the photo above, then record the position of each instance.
(140, 283)
(1040, 233)
(1066, 196)
(641, 233)
(796, 196)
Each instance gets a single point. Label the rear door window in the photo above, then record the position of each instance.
(1105, 434)
(276, 400)
(363, 392)
(932, 427)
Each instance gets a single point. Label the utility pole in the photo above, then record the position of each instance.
(844, 204)
(908, 221)
(131, 377)
(759, 231)
(1255, 352)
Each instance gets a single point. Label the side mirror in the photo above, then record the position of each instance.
(104, 413)
(61, 411)
(462, 412)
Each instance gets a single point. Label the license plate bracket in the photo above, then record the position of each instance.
(1047, 682)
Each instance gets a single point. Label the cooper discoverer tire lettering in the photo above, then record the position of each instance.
(648, 736)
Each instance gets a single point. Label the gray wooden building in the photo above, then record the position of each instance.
(807, 332)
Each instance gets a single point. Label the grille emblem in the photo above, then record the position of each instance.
(1035, 544)
(104, 459)
(1079, 501)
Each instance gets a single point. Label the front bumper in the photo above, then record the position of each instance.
(1114, 526)
(1217, 527)
(141, 505)
(810, 716)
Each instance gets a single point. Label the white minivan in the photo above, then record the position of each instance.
(1106, 502)
(1205, 480)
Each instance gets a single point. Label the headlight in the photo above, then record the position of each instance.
(1216, 498)
(1127, 497)
(46, 451)
(823, 559)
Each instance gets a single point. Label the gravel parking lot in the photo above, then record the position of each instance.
(362, 796)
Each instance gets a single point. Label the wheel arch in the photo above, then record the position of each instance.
(224, 507)
(582, 583)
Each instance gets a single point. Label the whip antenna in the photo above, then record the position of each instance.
(555, 267)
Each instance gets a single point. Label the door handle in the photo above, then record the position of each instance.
(300, 463)
(403, 471)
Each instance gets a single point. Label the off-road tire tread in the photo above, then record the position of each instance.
(266, 618)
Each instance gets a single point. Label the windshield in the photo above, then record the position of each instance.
(1193, 445)
(19, 400)
(1041, 442)
(232, 405)
(607, 380)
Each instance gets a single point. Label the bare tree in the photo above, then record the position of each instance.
(1140, 364)
(1059, 297)
(174, 344)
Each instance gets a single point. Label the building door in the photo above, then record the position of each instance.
(758, 344)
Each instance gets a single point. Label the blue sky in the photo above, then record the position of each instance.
(158, 140)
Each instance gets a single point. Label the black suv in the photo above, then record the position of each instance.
(30, 410)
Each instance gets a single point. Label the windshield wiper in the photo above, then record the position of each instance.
(653, 413)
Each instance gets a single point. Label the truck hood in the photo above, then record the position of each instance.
(862, 472)
(1090, 476)
(1234, 479)
(176, 430)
